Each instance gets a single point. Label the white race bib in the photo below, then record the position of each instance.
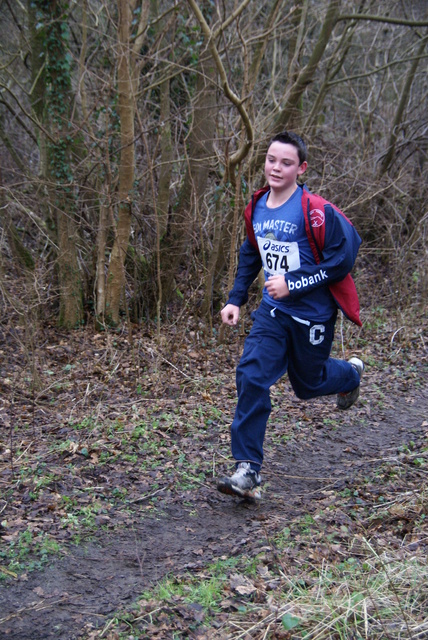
(278, 257)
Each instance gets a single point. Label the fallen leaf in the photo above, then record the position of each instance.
(241, 584)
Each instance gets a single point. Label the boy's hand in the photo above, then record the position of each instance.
(277, 287)
(230, 314)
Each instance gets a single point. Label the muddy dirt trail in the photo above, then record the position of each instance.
(85, 588)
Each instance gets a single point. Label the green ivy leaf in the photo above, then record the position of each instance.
(289, 621)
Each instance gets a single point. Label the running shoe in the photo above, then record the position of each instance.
(346, 400)
(245, 482)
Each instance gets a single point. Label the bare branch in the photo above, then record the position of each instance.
(242, 152)
(386, 19)
(376, 70)
(231, 18)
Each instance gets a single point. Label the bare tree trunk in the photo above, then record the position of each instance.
(404, 99)
(175, 243)
(334, 66)
(100, 278)
(127, 81)
(296, 41)
(290, 111)
(71, 311)
(38, 80)
(116, 271)
(165, 169)
(21, 254)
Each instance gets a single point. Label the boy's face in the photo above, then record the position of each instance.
(282, 166)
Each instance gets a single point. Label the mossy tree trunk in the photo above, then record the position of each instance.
(53, 107)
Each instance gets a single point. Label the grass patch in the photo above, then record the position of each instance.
(25, 552)
(378, 594)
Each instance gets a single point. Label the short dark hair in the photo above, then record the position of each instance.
(289, 137)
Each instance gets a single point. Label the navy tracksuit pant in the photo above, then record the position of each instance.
(278, 343)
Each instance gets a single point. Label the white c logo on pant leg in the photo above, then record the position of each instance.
(316, 334)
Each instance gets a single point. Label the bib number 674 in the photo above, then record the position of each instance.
(272, 260)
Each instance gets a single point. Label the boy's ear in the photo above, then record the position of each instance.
(302, 168)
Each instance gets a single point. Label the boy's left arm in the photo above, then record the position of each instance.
(338, 256)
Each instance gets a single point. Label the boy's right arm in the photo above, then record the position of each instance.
(249, 266)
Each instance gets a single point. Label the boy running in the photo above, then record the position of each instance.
(307, 249)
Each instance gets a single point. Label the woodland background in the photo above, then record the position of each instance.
(133, 133)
